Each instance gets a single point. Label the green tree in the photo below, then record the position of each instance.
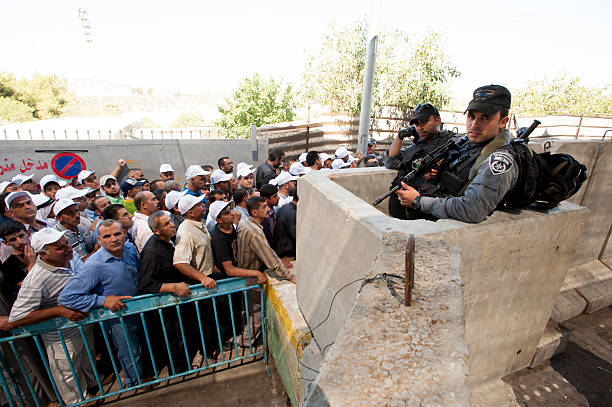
(408, 72)
(189, 119)
(46, 95)
(257, 101)
(12, 110)
(561, 95)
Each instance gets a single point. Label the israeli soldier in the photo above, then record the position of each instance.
(478, 175)
(428, 135)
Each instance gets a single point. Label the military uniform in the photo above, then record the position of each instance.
(403, 163)
(495, 174)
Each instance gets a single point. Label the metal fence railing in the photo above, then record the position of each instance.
(173, 329)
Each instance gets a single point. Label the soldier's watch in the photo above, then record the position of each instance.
(416, 203)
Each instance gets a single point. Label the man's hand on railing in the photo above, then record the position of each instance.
(181, 289)
(70, 314)
(261, 278)
(114, 302)
(5, 324)
(208, 282)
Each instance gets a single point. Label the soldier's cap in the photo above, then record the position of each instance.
(490, 99)
(423, 111)
(371, 141)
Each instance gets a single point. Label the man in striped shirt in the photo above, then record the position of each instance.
(254, 253)
(37, 302)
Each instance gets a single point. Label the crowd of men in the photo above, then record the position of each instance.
(68, 247)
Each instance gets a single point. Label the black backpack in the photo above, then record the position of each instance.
(544, 179)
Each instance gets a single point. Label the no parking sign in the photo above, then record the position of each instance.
(67, 165)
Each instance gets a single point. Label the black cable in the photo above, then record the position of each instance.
(365, 281)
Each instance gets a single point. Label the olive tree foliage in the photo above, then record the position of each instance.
(257, 101)
(409, 70)
(40, 97)
(561, 95)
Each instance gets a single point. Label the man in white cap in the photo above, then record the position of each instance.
(286, 185)
(297, 169)
(221, 180)
(20, 207)
(193, 253)
(196, 180)
(166, 172)
(246, 178)
(89, 179)
(111, 189)
(69, 218)
(345, 155)
(146, 204)
(171, 202)
(302, 159)
(38, 301)
(50, 184)
(25, 182)
(8, 186)
(338, 163)
(326, 160)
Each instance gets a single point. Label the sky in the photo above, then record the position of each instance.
(208, 47)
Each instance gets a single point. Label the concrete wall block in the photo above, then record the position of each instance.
(391, 354)
(598, 295)
(513, 268)
(569, 304)
(553, 342)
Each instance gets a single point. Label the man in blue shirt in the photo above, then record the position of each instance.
(196, 180)
(109, 276)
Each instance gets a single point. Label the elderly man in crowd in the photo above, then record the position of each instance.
(79, 238)
(38, 301)
(146, 204)
(21, 208)
(108, 277)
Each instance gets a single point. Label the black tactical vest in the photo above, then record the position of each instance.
(457, 172)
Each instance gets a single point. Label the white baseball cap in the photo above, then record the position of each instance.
(172, 198)
(324, 157)
(5, 184)
(219, 176)
(20, 178)
(297, 169)
(62, 204)
(351, 160)
(51, 178)
(338, 163)
(243, 164)
(44, 237)
(187, 202)
(71, 192)
(342, 152)
(84, 174)
(194, 171)
(14, 195)
(106, 178)
(282, 178)
(216, 208)
(40, 199)
(244, 171)
(302, 157)
(165, 168)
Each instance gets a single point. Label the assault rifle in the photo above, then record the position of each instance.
(522, 134)
(423, 165)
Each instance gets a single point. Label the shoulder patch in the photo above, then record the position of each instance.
(500, 162)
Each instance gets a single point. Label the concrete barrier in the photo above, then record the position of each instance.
(101, 155)
(512, 266)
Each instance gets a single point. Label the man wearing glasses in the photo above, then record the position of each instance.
(427, 133)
